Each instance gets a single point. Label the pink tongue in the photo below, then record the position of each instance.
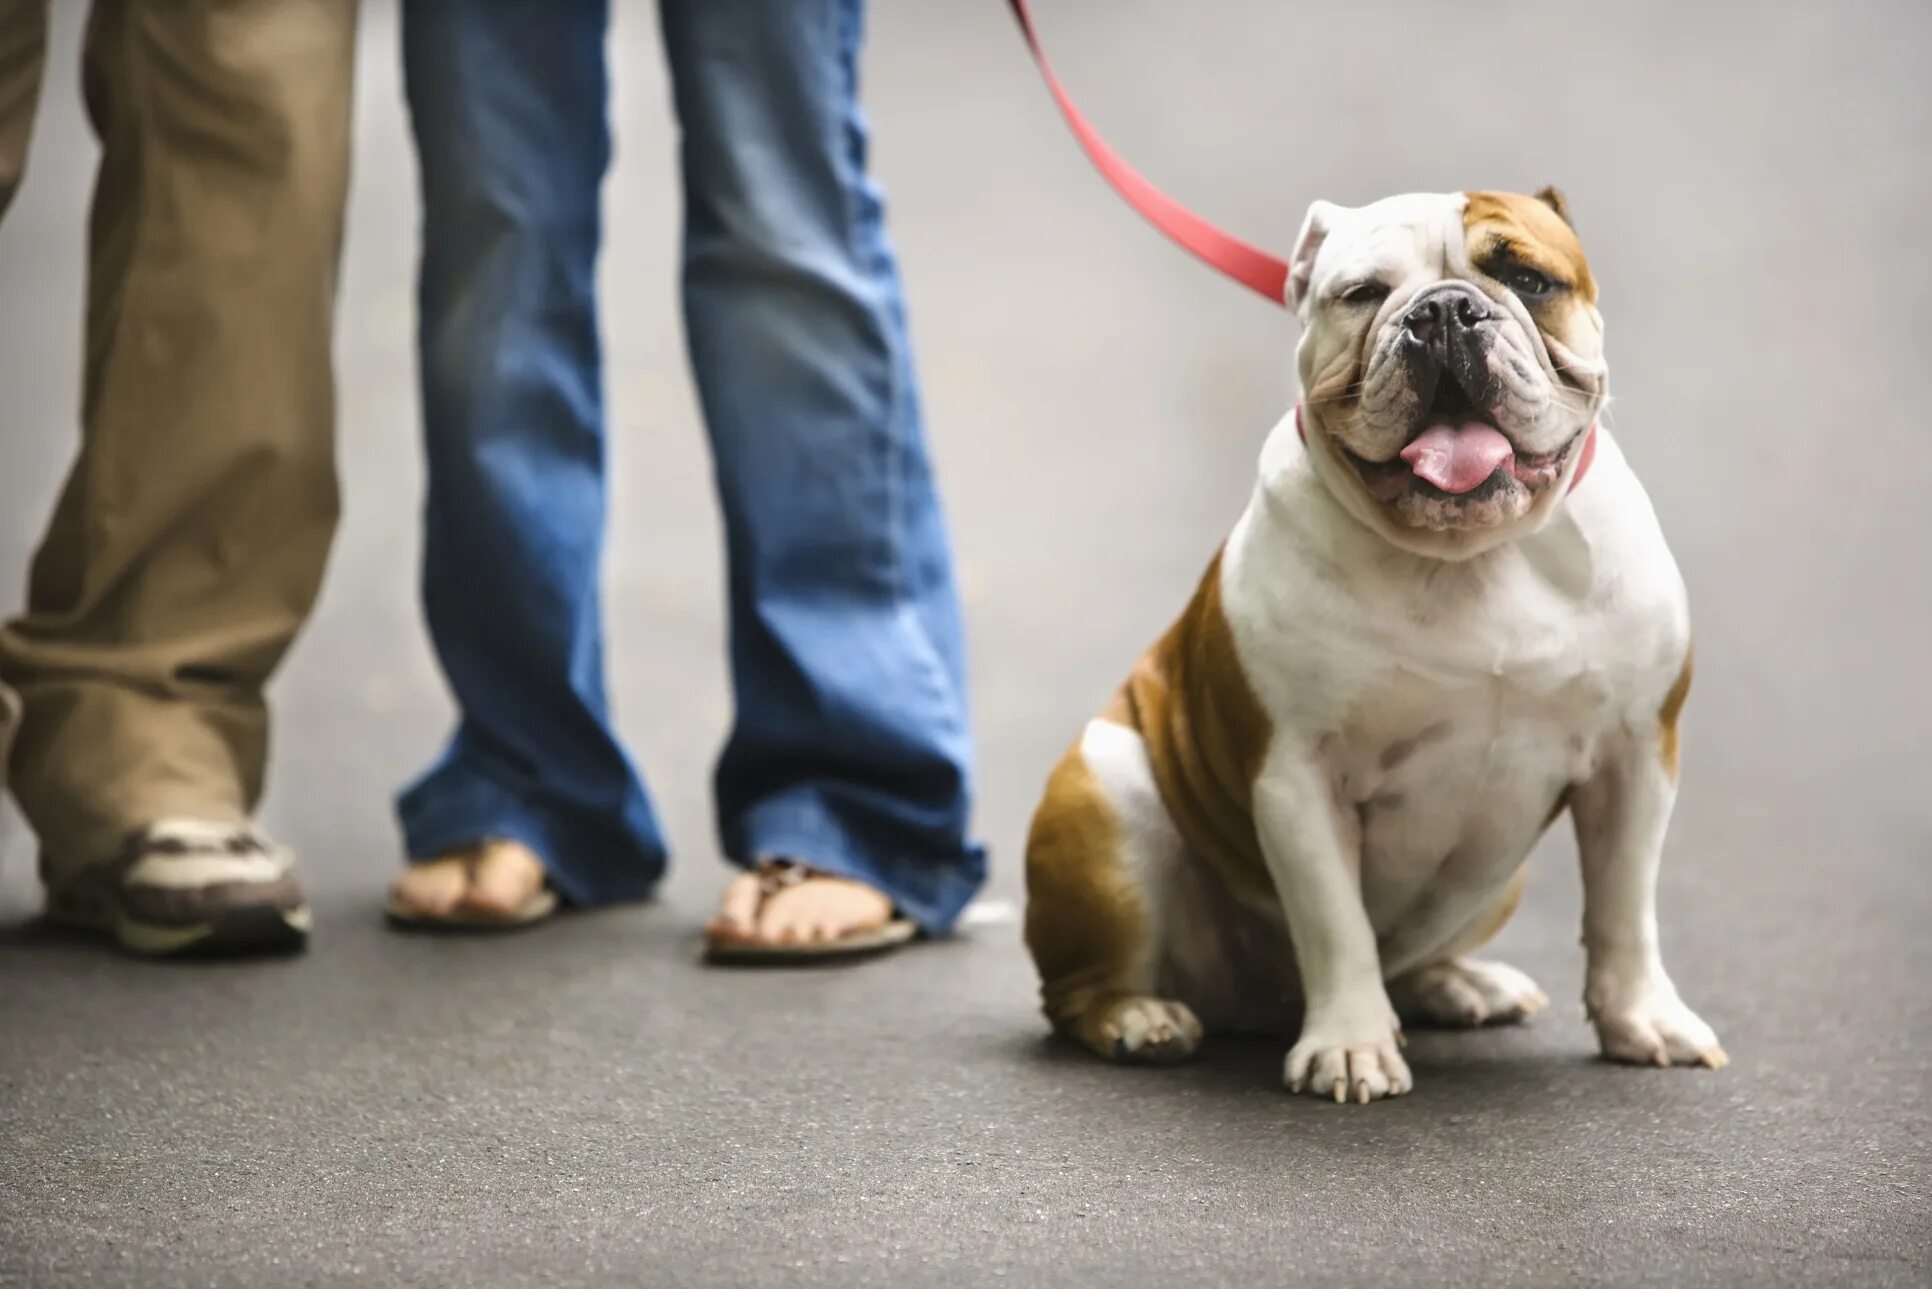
(1455, 458)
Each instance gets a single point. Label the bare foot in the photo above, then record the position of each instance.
(789, 904)
(491, 881)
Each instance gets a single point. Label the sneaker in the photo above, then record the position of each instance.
(188, 886)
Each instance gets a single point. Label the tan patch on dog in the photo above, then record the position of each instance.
(1086, 925)
(1667, 717)
(1206, 736)
(1530, 231)
(1550, 196)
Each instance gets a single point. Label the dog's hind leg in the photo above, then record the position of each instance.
(1097, 859)
(1457, 991)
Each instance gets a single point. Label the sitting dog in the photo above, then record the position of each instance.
(1428, 637)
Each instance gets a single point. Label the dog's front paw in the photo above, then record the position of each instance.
(1650, 1025)
(1344, 1061)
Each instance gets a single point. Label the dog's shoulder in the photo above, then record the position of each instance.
(1607, 553)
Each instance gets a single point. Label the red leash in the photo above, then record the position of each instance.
(1250, 266)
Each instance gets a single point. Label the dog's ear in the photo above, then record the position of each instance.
(1308, 244)
(1550, 197)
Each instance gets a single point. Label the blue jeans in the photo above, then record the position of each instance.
(850, 746)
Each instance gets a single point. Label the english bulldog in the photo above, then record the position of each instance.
(1447, 617)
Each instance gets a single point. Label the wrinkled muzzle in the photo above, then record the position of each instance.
(1461, 423)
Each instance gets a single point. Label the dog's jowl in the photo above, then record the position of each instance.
(1429, 636)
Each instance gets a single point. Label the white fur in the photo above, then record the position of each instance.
(1428, 711)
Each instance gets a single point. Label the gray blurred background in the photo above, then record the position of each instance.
(585, 1105)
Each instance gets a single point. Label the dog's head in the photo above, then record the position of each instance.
(1452, 362)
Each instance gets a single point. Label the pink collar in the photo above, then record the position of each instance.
(1582, 466)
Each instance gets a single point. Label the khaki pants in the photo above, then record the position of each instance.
(189, 540)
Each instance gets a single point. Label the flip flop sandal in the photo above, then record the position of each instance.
(539, 907)
(541, 904)
(775, 876)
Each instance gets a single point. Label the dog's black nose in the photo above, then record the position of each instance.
(1470, 309)
(1429, 318)
(1423, 321)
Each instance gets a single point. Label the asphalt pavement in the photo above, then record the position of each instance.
(586, 1105)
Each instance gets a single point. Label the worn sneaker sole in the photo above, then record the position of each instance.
(255, 929)
(259, 929)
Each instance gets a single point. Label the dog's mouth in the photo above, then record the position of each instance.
(1456, 454)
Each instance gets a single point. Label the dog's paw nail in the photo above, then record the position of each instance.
(1145, 1030)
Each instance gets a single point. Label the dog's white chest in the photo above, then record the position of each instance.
(1450, 708)
(1451, 787)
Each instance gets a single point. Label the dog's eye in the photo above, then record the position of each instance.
(1365, 293)
(1527, 282)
